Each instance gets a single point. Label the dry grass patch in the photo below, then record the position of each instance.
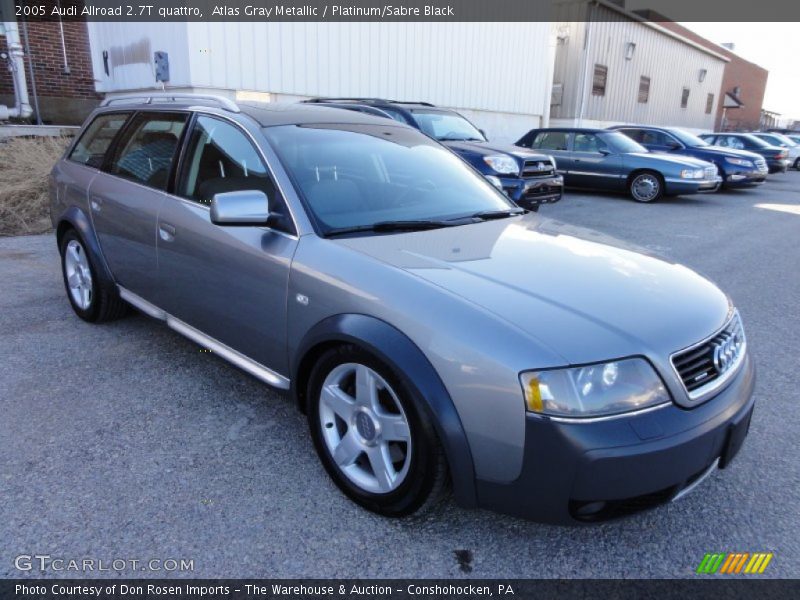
(25, 165)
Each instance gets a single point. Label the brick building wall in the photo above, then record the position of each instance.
(64, 98)
(748, 77)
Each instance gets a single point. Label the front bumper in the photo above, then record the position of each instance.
(675, 186)
(590, 471)
(531, 192)
(745, 178)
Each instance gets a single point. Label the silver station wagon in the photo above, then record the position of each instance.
(436, 335)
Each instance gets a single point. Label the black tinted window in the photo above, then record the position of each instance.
(93, 144)
(148, 149)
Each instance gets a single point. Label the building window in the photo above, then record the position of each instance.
(709, 103)
(685, 98)
(644, 89)
(599, 80)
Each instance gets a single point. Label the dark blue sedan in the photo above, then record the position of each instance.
(736, 167)
(610, 160)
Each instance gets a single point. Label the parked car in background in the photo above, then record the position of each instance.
(435, 335)
(795, 137)
(776, 157)
(784, 141)
(610, 160)
(528, 178)
(736, 167)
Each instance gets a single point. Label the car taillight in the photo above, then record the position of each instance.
(783, 154)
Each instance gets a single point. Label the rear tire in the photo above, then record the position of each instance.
(90, 298)
(646, 186)
(797, 163)
(372, 435)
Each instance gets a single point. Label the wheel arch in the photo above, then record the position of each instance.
(393, 347)
(75, 218)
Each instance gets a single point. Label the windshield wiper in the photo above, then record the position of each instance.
(459, 139)
(488, 215)
(418, 225)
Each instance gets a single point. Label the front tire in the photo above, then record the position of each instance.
(91, 300)
(646, 186)
(370, 434)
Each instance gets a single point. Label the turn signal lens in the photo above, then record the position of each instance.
(533, 395)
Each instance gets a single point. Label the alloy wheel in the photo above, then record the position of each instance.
(78, 274)
(365, 428)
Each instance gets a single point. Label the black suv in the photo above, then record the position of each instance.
(528, 178)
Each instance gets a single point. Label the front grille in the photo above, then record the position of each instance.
(710, 172)
(537, 168)
(708, 361)
(761, 164)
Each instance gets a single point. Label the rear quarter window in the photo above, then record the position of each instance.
(92, 146)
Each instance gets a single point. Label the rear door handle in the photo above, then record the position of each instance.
(166, 232)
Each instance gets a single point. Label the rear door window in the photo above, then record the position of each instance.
(91, 148)
(147, 150)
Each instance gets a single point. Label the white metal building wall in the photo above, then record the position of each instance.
(671, 65)
(499, 73)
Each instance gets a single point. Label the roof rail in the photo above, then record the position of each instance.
(149, 97)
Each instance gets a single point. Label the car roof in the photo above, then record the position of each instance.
(264, 113)
(572, 130)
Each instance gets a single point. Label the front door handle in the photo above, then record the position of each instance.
(166, 232)
(96, 203)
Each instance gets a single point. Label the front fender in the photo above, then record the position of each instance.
(395, 349)
(77, 219)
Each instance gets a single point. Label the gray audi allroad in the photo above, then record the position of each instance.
(436, 335)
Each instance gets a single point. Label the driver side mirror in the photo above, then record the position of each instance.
(673, 145)
(604, 151)
(242, 208)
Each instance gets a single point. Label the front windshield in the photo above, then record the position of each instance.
(446, 126)
(621, 142)
(360, 175)
(688, 139)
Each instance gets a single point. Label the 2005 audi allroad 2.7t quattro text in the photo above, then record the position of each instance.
(435, 333)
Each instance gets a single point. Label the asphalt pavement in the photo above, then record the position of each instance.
(125, 441)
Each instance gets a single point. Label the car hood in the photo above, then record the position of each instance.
(721, 151)
(581, 294)
(681, 161)
(489, 148)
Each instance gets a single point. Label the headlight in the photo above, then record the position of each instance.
(692, 174)
(495, 182)
(502, 163)
(594, 390)
(739, 161)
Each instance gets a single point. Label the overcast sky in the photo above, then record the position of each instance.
(774, 46)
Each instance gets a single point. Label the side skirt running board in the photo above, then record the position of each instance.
(238, 359)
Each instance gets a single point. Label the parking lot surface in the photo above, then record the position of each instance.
(127, 441)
